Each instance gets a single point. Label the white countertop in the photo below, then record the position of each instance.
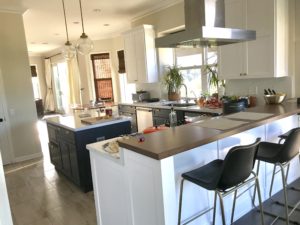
(74, 122)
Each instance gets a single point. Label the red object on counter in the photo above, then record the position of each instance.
(149, 130)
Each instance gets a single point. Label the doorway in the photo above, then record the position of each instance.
(5, 144)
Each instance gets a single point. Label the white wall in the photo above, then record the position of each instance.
(297, 48)
(16, 74)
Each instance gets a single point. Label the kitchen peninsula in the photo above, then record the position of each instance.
(68, 136)
(141, 184)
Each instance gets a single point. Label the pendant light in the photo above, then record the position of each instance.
(84, 44)
(69, 49)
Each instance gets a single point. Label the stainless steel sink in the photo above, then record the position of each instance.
(178, 104)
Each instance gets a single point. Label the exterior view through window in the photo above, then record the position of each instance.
(191, 61)
(102, 76)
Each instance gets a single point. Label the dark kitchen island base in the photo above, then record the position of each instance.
(68, 152)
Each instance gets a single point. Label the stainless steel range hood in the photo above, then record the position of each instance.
(204, 26)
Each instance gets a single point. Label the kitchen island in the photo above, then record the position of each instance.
(68, 136)
(141, 184)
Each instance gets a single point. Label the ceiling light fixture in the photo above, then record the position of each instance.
(68, 50)
(84, 44)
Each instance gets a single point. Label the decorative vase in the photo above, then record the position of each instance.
(173, 96)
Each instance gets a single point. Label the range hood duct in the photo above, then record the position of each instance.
(204, 26)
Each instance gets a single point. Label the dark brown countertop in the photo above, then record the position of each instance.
(160, 145)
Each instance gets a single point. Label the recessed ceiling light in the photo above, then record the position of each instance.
(106, 24)
(97, 10)
(45, 43)
(76, 22)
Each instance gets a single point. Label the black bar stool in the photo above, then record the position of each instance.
(225, 177)
(280, 155)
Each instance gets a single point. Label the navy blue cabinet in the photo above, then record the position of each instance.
(68, 151)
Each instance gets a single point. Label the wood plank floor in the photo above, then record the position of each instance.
(39, 195)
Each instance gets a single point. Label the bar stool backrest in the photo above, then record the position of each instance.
(238, 165)
(290, 147)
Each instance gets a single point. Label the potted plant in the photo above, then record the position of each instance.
(173, 80)
(214, 81)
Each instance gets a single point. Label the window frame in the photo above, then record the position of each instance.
(96, 80)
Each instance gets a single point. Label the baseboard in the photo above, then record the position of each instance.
(28, 157)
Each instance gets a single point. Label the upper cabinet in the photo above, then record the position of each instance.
(140, 55)
(267, 56)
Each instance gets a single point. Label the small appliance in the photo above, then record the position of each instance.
(140, 96)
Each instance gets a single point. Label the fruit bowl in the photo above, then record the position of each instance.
(275, 99)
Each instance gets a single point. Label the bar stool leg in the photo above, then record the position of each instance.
(254, 193)
(180, 202)
(215, 205)
(285, 194)
(272, 182)
(233, 206)
(222, 207)
(259, 200)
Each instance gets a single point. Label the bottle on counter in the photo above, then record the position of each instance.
(173, 118)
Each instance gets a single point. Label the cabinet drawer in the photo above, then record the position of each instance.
(126, 108)
(67, 135)
(161, 113)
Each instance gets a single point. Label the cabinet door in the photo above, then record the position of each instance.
(261, 51)
(232, 60)
(65, 156)
(130, 56)
(74, 163)
(55, 155)
(140, 54)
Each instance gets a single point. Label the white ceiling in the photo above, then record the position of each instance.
(44, 21)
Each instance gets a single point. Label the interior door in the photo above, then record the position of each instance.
(5, 146)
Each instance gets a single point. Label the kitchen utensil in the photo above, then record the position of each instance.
(275, 99)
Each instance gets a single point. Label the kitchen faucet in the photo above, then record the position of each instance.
(186, 93)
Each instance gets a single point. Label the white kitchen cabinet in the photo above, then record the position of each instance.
(267, 56)
(140, 55)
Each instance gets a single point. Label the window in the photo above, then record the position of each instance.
(190, 62)
(102, 76)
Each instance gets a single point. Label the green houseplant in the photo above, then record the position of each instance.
(214, 81)
(173, 79)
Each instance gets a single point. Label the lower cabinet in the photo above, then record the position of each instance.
(68, 151)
